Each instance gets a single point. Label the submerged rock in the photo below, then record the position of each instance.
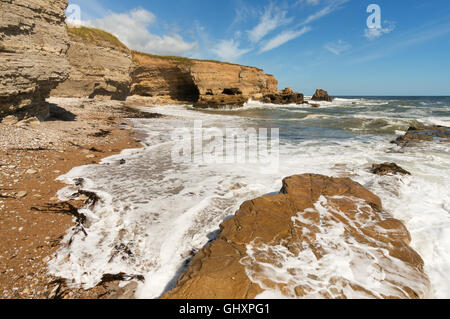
(424, 134)
(322, 95)
(388, 168)
(320, 237)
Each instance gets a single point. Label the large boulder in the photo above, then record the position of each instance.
(220, 101)
(33, 46)
(320, 237)
(287, 96)
(322, 95)
(100, 66)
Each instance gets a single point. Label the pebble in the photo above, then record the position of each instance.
(21, 194)
(31, 171)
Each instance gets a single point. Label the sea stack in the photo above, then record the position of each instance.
(322, 95)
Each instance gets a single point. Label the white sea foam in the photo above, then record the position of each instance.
(154, 214)
(347, 268)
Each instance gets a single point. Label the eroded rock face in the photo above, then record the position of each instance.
(228, 84)
(100, 68)
(205, 83)
(153, 76)
(213, 78)
(321, 237)
(322, 95)
(388, 168)
(424, 134)
(33, 46)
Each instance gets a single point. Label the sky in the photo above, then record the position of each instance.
(347, 47)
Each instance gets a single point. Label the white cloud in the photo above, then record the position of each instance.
(337, 47)
(378, 32)
(132, 28)
(284, 37)
(272, 19)
(325, 11)
(229, 50)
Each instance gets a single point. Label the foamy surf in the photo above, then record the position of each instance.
(153, 215)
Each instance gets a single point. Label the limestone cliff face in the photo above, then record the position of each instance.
(157, 76)
(196, 80)
(100, 66)
(214, 78)
(33, 46)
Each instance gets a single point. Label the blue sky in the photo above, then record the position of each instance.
(306, 44)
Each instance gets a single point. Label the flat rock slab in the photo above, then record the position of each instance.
(320, 237)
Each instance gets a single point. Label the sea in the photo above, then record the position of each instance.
(158, 209)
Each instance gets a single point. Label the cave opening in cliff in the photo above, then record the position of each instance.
(232, 91)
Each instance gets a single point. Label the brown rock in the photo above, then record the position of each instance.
(100, 66)
(10, 120)
(154, 76)
(388, 168)
(217, 78)
(322, 95)
(33, 46)
(287, 96)
(424, 134)
(320, 237)
(207, 84)
(221, 100)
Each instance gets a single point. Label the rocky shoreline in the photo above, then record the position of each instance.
(33, 221)
(96, 82)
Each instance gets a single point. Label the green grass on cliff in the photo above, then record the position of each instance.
(96, 36)
(182, 60)
(100, 37)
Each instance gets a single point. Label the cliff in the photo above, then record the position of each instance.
(198, 81)
(104, 67)
(169, 77)
(320, 237)
(33, 46)
(100, 66)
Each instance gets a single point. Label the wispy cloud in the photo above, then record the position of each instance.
(337, 47)
(271, 19)
(417, 36)
(307, 2)
(132, 28)
(284, 37)
(229, 50)
(335, 5)
(374, 33)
